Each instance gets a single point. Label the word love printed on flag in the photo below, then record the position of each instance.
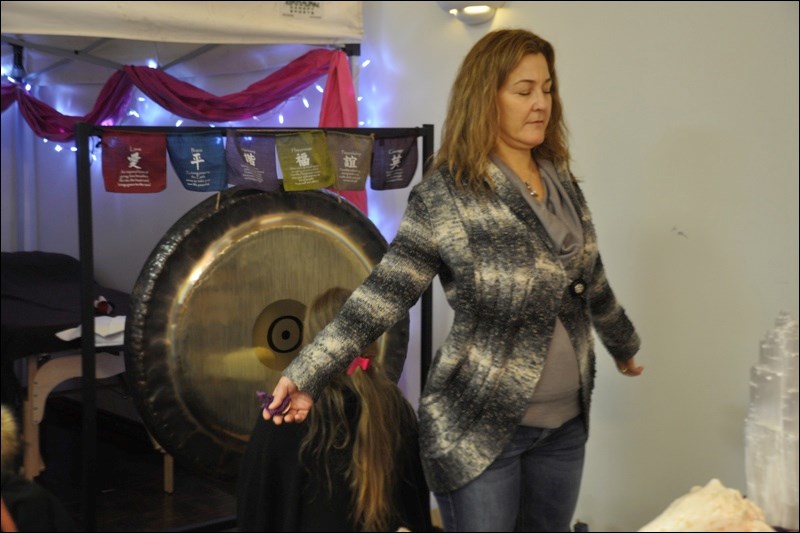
(305, 160)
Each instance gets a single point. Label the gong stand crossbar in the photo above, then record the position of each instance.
(84, 133)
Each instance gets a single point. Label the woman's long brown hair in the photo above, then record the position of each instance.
(378, 437)
(470, 130)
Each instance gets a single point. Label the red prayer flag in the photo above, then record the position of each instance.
(134, 162)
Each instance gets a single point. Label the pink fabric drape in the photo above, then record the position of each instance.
(185, 100)
(339, 99)
(191, 102)
(336, 114)
(111, 104)
(9, 95)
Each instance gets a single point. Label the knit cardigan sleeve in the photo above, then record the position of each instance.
(385, 296)
(615, 329)
(608, 317)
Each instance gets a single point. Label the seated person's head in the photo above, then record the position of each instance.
(382, 416)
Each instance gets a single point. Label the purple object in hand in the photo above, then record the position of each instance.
(266, 399)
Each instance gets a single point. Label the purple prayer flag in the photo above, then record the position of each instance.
(394, 162)
(251, 161)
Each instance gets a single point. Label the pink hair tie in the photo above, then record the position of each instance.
(359, 361)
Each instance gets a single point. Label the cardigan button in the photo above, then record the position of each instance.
(578, 287)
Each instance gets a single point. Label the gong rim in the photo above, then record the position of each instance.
(191, 398)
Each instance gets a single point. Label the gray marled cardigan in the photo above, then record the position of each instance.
(504, 279)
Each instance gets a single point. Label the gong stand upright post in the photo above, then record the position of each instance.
(84, 132)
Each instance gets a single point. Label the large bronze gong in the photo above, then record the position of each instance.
(217, 313)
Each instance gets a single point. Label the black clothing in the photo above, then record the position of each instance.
(33, 507)
(277, 493)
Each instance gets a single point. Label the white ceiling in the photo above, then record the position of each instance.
(84, 42)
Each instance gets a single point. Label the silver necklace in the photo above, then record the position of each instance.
(533, 193)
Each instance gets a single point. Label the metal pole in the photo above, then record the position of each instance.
(89, 442)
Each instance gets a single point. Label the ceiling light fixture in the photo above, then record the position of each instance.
(471, 12)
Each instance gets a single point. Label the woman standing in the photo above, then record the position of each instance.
(503, 223)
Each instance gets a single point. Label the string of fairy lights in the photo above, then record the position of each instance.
(145, 112)
(302, 110)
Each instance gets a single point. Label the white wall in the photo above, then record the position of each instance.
(684, 128)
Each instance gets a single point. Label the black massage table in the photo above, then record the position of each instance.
(41, 293)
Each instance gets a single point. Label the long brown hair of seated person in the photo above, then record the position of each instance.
(377, 440)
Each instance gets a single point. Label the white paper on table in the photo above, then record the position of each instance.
(108, 331)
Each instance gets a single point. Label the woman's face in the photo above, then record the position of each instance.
(525, 102)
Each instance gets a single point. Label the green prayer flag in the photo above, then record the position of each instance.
(305, 162)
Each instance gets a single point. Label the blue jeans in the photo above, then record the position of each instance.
(532, 486)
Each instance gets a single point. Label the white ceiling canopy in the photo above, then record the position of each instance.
(191, 22)
(107, 35)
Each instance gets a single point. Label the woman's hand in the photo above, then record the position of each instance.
(299, 405)
(629, 367)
